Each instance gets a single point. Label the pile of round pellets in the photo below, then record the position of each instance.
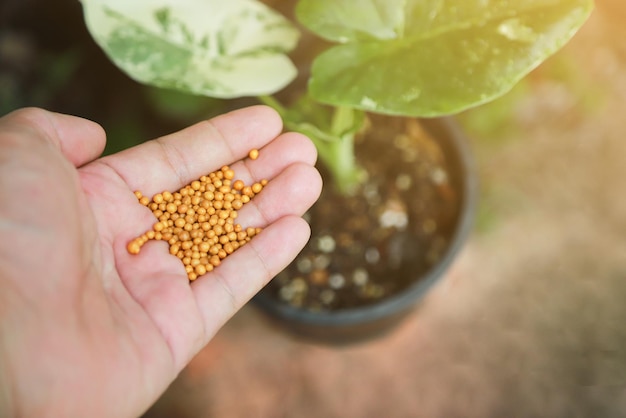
(198, 221)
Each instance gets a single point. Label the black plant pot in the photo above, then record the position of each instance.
(358, 324)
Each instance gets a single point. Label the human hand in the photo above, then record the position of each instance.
(86, 329)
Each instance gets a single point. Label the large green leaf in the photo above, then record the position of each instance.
(432, 57)
(216, 48)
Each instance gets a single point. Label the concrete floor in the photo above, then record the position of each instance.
(529, 322)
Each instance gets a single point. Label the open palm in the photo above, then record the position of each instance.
(88, 329)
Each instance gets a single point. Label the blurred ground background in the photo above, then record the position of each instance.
(529, 322)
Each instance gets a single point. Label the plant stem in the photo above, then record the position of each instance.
(338, 156)
(273, 103)
(335, 145)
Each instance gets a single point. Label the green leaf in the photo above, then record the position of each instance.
(353, 21)
(215, 48)
(432, 57)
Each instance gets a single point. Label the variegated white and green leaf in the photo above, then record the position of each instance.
(215, 48)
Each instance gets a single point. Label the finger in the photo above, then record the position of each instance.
(80, 140)
(172, 161)
(289, 148)
(241, 275)
(292, 192)
(158, 282)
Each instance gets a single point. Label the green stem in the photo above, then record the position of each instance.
(273, 103)
(338, 156)
(335, 148)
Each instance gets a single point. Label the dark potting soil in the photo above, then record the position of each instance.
(374, 244)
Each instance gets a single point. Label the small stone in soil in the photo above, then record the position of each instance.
(299, 285)
(294, 292)
(336, 281)
(394, 217)
(360, 277)
(438, 175)
(327, 296)
(373, 291)
(345, 240)
(370, 191)
(319, 277)
(321, 261)
(403, 182)
(326, 244)
(305, 265)
(372, 256)
(286, 293)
